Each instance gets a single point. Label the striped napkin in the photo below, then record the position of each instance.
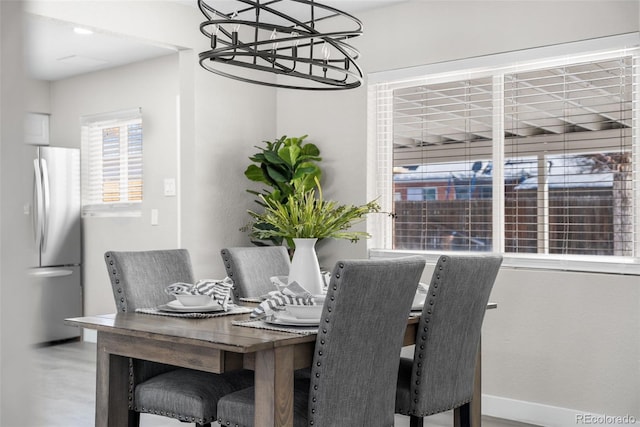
(219, 290)
(293, 294)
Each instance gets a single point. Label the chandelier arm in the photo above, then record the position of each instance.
(334, 38)
(245, 50)
(285, 70)
(333, 84)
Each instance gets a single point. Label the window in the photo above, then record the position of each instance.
(421, 193)
(112, 163)
(528, 157)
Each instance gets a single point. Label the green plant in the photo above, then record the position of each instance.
(303, 215)
(286, 165)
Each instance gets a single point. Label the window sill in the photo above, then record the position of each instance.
(128, 211)
(574, 263)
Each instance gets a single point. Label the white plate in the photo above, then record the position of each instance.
(304, 311)
(287, 320)
(177, 306)
(319, 299)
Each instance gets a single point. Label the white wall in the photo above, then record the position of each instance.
(15, 184)
(559, 342)
(420, 32)
(231, 119)
(153, 86)
(569, 340)
(37, 97)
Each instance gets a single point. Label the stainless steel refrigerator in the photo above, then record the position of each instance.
(56, 256)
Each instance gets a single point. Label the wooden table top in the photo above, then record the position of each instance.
(215, 332)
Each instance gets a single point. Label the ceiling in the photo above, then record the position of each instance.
(54, 51)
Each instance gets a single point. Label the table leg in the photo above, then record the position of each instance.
(274, 387)
(112, 388)
(470, 414)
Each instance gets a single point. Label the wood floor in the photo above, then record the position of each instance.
(64, 384)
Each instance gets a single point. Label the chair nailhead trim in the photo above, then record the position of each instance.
(322, 341)
(425, 319)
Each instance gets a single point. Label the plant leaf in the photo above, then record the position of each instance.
(310, 169)
(276, 174)
(310, 149)
(273, 157)
(254, 173)
(289, 154)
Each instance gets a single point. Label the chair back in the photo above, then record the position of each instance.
(444, 360)
(251, 268)
(138, 279)
(359, 340)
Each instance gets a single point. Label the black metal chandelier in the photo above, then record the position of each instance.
(305, 47)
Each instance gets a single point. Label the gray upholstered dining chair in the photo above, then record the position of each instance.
(357, 348)
(440, 377)
(138, 280)
(251, 267)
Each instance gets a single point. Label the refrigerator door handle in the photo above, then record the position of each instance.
(46, 202)
(37, 210)
(50, 272)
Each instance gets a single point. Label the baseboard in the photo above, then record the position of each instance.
(89, 335)
(546, 415)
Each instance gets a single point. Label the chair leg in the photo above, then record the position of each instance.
(416, 421)
(134, 418)
(462, 416)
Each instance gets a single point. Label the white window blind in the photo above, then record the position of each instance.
(569, 138)
(523, 158)
(442, 135)
(112, 163)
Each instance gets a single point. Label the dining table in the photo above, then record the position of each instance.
(216, 344)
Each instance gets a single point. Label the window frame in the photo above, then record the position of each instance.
(380, 145)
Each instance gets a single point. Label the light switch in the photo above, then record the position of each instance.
(154, 216)
(169, 187)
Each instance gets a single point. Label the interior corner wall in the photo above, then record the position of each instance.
(231, 118)
(550, 327)
(336, 123)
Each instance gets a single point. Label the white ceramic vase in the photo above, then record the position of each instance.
(305, 268)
